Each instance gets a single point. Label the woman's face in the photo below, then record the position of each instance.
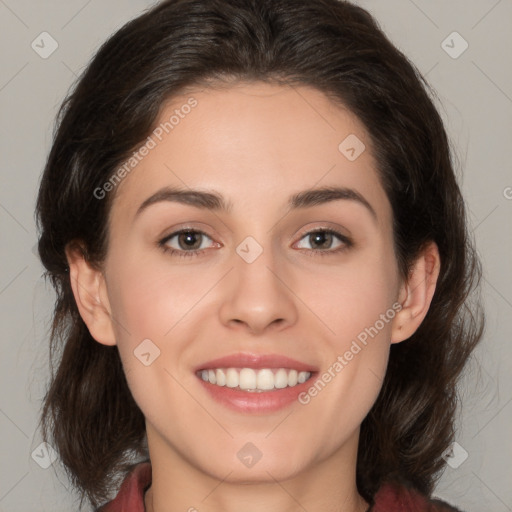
(279, 272)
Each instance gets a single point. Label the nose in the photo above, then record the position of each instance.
(259, 296)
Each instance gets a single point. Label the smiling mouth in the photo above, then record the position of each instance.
(254, 380)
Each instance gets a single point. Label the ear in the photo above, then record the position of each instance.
(90, 291)
(416, 294)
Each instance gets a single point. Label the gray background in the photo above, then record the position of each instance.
(475, 99)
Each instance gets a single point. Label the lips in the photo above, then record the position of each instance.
(257, 362)
(238, 394)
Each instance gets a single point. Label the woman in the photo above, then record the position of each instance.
(262, 266)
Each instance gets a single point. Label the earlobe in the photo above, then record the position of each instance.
(416, 294)
(89, 289)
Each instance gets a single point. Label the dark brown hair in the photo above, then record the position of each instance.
(89, 414)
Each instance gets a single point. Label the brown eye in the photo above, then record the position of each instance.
(186, 242)
(189, 240)
(326, 241)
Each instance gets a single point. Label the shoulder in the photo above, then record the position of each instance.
(402, 497)
(130, 497)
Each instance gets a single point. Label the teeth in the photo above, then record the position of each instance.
(231, 378)
(265, 380)
(280, 379)
(248, 379)
(220, 376)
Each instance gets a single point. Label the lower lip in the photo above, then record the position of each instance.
(256, 402)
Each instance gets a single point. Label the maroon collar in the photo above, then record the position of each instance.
(131, 494)
(400, 497)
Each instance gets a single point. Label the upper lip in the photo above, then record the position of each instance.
(256, 361)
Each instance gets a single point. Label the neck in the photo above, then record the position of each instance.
(360, 505)
(179, 485)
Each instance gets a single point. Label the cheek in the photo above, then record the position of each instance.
(358, 312)
(149, 308)
(353, 295)
(149, 300)
(357, 305)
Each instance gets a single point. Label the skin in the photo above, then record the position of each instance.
(256, 144)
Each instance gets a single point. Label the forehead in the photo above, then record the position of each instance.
(253, 143)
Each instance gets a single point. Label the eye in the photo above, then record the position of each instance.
(188, 242)
(324, 238)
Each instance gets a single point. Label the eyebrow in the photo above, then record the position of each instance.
(216, 202)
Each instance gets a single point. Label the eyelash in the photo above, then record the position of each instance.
(311, 252)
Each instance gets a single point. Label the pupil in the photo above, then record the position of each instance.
(321, 237)
(189, 236)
